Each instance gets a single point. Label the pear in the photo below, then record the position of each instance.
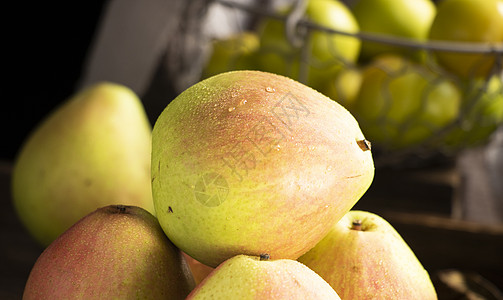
(482, 113)
(250, 162)
(115, 252)
(250, 277)
(327, 53)
(344, 86)
(402, 104)
(235, 52)
(401, 19)
(92, 151)
(364, 257)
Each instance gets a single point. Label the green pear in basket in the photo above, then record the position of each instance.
(236, 52)
(402, 104)
(326, 52)
(406, 19)
(344, 86)
(482, 113)
(471, 21)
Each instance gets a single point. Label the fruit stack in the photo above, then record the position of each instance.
(252, 179)
(420, 76)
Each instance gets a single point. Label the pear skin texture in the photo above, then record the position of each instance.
(249, 162)
(115, 252)
(371, 263)
(248, 277)
(92, 151)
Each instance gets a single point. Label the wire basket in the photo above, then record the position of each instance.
(418, 135)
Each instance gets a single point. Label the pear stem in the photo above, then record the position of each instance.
(357, 225)
(121, 208)
(364, 145)
(264, 256)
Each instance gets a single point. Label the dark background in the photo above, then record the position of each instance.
(45, 48)
(45, 45)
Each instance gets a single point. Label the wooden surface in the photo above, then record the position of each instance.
(418, 209)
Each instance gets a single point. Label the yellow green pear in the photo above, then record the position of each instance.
(235, 52)
(402, 104)
(482, 113)
(327, 52)
(405, 19)
(92, 151)
(251, 277)
(114, 252)
(344, 86)
(364, 257)
(469, 21)
(250, 162)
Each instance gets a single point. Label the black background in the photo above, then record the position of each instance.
(45, 45)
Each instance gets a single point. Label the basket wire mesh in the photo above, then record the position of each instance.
(297, 31)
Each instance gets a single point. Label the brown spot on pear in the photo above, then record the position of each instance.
(288, 163)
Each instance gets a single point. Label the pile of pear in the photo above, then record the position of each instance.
(243, 189)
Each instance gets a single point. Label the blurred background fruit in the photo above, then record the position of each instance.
(410, 19)
(325, 52)
(235, 52)
(404, 111)
(468, 21)
(482, 107)
(344, 86)
(402, 104)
